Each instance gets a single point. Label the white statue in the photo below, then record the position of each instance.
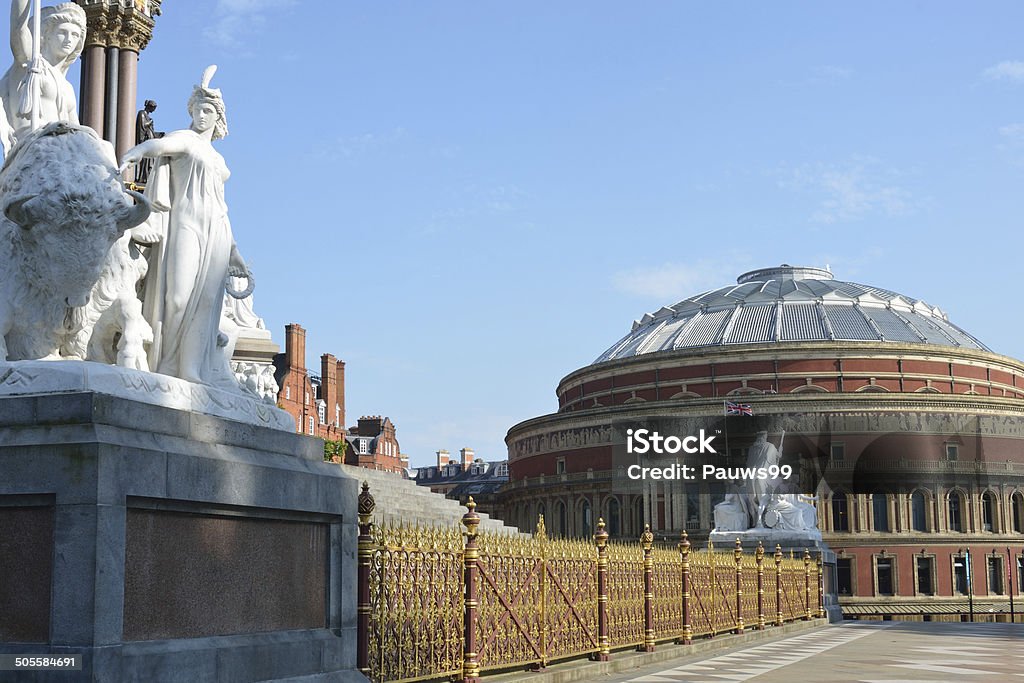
(762, 507)
(762, 454)
(240, 308)
(731, 514)
(64, 205)
(111, 327)
(184, 290)
(41, 86)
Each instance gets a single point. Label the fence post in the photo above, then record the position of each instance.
(470, 556)
(603, 641)
(366, 506)
(713, 586)
(821, 587)
(684, 551)
(807, 585)
(778, 585)
(737, 554)
(647, 542)
(759, 558)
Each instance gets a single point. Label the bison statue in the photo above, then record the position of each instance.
(63, 205)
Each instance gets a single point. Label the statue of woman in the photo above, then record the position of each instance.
(193, 251)
(63, 38)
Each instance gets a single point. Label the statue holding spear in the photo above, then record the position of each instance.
(35, 90)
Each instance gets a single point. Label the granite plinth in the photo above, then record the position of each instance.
(182, 547)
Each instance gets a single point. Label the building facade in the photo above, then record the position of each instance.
(907, 429)
(465, 476)
(373, 443)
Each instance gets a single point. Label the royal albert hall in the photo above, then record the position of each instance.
(907, 429)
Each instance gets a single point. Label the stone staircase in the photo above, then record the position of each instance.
(401, 500)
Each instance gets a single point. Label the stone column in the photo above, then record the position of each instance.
(127, 86)
(94, 63)
(110, 104)
(670, 507)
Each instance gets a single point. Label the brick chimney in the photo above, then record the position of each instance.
(442, 458)
(467, 458)
(329, 384)
(340, 375)
(295, 346)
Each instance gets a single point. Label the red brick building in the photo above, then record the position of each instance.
(317, 402)
(373, 444)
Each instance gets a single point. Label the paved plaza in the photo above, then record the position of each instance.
(859, 652)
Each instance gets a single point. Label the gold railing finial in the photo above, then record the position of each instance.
(366, 504)
(601, 537)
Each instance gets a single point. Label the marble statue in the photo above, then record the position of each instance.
(41, 86)
(762, 454)
(111, 327)
(145, 130)
(763, 508)
(190, 262)
(64, 205)
(731, 514)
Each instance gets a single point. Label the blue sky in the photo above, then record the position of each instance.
(466, 201)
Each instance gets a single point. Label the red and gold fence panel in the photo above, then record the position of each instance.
(570, 598)
(702, 598)
(748, 581)
(416, 605)
(667, 604)
(770, 605)
(625, 594)
(792, 599)
(510, 588)
(723, 587)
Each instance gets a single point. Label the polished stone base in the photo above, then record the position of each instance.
(166, 545)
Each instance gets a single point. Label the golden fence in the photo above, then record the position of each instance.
(453, 602)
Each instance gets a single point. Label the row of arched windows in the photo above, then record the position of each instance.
(577, 519)
(955, 511)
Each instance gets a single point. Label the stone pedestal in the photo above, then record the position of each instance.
(167, 545)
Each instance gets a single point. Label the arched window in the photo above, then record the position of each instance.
(563, 520)
(1017, 512)
(586, 521)
(840, 512)
(988, 511)
(955, 509)
(917, 511)
(614, 525)
(692, 509)
(880, 511)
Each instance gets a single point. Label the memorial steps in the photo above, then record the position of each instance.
(402, 500)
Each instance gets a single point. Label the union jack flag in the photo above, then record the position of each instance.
(738, 408)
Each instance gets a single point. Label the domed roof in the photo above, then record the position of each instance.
(790, 304)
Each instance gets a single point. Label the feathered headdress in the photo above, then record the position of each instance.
(204, 93)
